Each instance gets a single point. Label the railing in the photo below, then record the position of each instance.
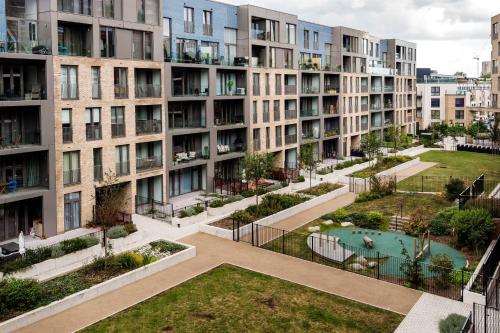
(364, 107)
(151, 126)
(330, 109)
(265, 117)
(364, 89)
(189, 27)
(376, 89)
(67, 134)
(121, 91)
(207, 29)
(278, 141)
(235, 148)
(331, 132)
(388, 88)
(290, 90)
(75, 7)
(376, 107)
(42, 47)
(331, 89)
(310, 90)
(484, 319)
(71, 177)
(364, 127)
(290, 139)
(376, 123)
(25, 137)
(98, 172)
(229, 186)
(155, 209)
(188, 156)
(122, 168)
(308, 112)
(181, 123)
(147, 90)
(93, 132)
(117, 130)
(277, 115)
(331, 252)
(290, 114)
(256, 144)
(147, 163)
(388, 106)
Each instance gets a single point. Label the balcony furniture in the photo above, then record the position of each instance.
(35, 92)
(38, 228)
(3, 187)
(10, 248)
(222, 149)
(12, 186)
(240, 91)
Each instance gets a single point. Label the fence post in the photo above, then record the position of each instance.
(343, 257)
(252, 235)
(378, 265)
(395, 183)
(485, 318)
(152, 209)
(257, 234)
(312, 248)
(283, 241)
(462, 285)
(238, 232)
(473, 317)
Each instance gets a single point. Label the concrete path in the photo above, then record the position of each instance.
(406, 173)
(213, 251)
(428, 311)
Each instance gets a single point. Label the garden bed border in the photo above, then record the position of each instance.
(100, 289)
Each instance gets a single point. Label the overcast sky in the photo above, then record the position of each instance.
(449, 33)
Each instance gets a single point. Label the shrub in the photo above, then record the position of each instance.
(248, 193)
(452, 324)
(417, 224)
(377, 221)
(301, 179)
(137, 258)
(321, 189)
(442, 265)
(454, 187)
(125, 260)
(347, 164)
(274, 187)
(198, 209)
(216, 204)
(440, 225)
(382, 185)
(473, 228)
(191, 211)
(117, 232)
(19, 294)
(234, 198)
(73, 245)
(130, 228)
(164, 246)
(367, 196)
(57, 251)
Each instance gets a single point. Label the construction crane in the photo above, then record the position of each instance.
(476, 57)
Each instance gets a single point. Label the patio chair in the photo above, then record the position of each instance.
(12, 186)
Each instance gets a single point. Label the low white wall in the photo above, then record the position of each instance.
(176, 221)
(275, 218)
(472, 297)
(122, 244)
(96, 291)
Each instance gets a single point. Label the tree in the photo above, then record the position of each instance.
(494, 129)
(370, 144)
(473, 228)
(476, 128)
(453, 188)
(460, 74)
(110, 199)
(442, 265)
(411, 268)
(307, 160)
(257, 166)
(486, 75)
(394, 136)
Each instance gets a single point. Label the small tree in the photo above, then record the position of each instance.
(473, 228)
(411, 268)
(442, 265)
(394, 136)
(307, 160)
(454, 187)
(494, 130)
(110, 200)
(370, 144)
(257, 166)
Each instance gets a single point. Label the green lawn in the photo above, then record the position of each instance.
(466, 165)
(232, 299)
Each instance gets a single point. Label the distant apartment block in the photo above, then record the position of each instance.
(170, 95)
(495, 60)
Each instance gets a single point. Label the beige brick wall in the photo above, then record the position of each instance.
(87, 185)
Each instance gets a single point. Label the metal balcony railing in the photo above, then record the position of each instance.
(290, 139)
(117, 130)
(290, 90)
(189, 27)
(147, 90)
(67, 134)
(71, 177)
(151, 126)
(148, 163)
(308, 112)
(16, 139)
(310, 89)
(93, 132)
(121, 91)
(364, 107)
(290, 114)
(122, 168)
(207, 29)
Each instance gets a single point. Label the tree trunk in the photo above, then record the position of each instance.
(310, 177)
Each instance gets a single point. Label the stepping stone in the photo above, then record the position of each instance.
(346, 224)
(329, 222)
(372, 264)
(313, 229)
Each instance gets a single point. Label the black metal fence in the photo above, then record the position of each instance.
(365, 261)
(479, 149)
(488, 269)
(485, 319)
(153, 208)
(229, 186)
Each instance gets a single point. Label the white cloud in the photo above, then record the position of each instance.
(459, 28)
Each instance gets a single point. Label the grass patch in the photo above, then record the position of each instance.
(321, 189)
(381, 165)
(232, 299)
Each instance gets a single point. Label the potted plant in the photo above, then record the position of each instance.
(230, 85)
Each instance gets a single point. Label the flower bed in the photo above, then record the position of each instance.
(121, 231)
(35, 256)
(321, 189)
(381, 165)
(350, 163)
(21, 295)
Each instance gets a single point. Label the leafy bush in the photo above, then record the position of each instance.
(382, 185)
(368, 196)
(137, 258)
(274, 187)
(440, 225)
(348, 164)
(442, 265)
(57, 251)
(492, 205)
(452, 324)
(321, 189)
(19, 294)
(216, 204)
(473, 228)
(191, 211)
(125, 260)
(130, 228)
(325, 170)
(248, 193)
(417, 224)
(234, 198)
(301, 179)
(117, 232)
(167, 247)
(377, 221)
(453, 189)
(242, 215)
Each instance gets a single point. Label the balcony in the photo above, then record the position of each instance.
(117, 130)
(122, 168)
(189, 148)
(22, 173)
(290, 114)
(305, 112)
(231, 141)
(189, 82)
(78, 7)
(331, 132)
(290, 139)
(388, 104)
(207, 29)
(189, 27)
(376, 89)
(228, 112)
(375, 107)
(93, 132)
(147, 83)
(19, 127)
(182, 115)
(231, 83)
(148, 126)
(148, 163)
(67, 134)
(308, 89)
(22, 80)
(388, 89)
(290, 90)
(121, 91)
(71, 177)
(75, 39)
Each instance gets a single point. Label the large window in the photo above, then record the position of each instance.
(141, 11)
(186, 180)
(256, 84)
(107, 42)
(306, 39)
(207, 23)
(72, 211)
(97, 155)
(435, 91)
(67, 129)
(435, 102)
(459, 114)
(230, 45)
(209, 51)
(122, 160)
(290, 33)
(188, 20)
(69, 82)
(141, 45)
(93, 123)
(328, 54)
(459, 102)
(316, 40)
(121, 82)
(74, 39)
(111, 8)
(186, 49)
(167, 38)
(273, 28)
(71, 167)
(117, 121)
(96, 82)
(81, 7)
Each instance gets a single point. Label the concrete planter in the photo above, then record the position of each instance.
(121, 244)
(176, 221)
(96, 291)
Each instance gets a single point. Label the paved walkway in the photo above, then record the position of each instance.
(409, 172)
(213, 251)
(428, 311)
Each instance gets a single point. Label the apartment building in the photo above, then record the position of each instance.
(81, 97)
(495, 60)
(170, 95)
